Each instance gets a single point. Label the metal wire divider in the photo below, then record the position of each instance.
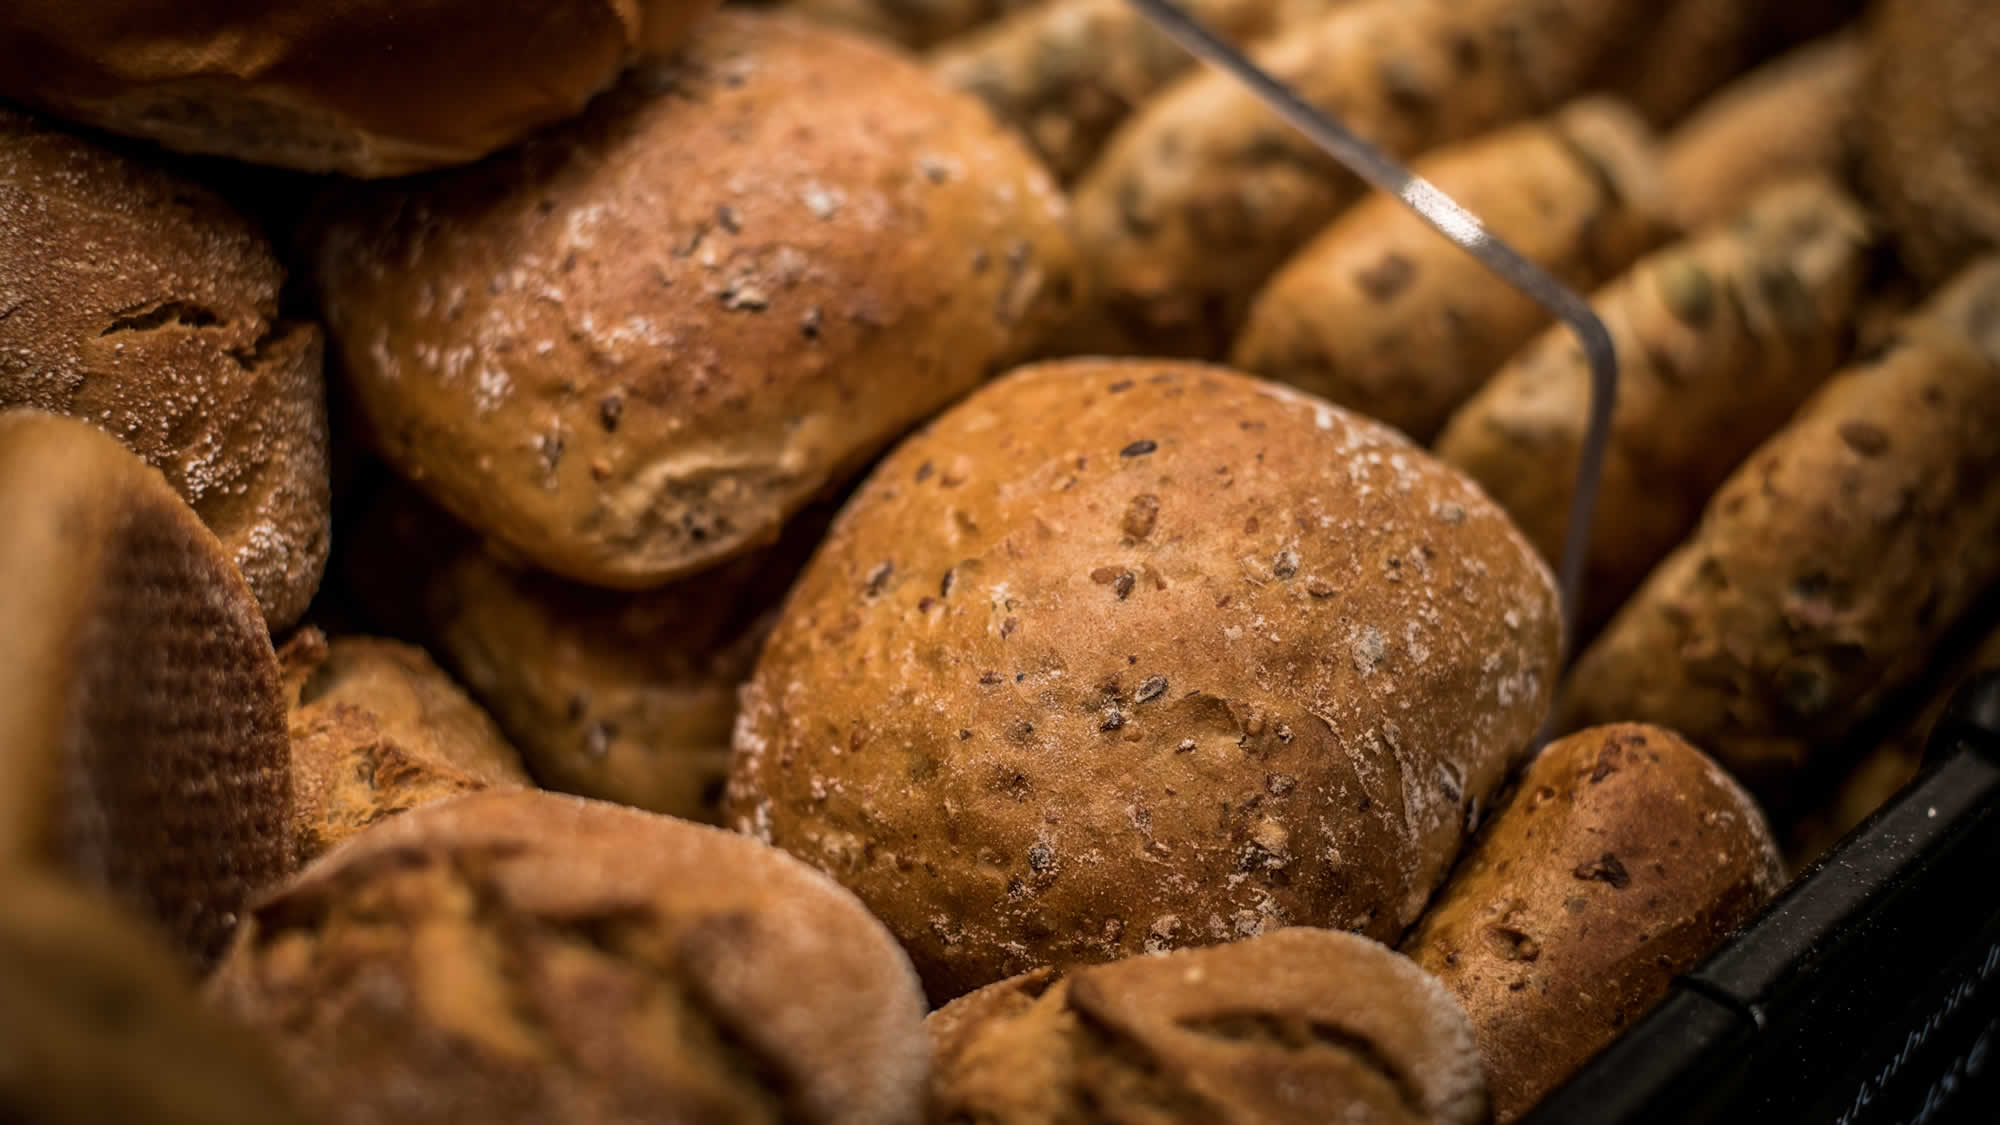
(1461, 227)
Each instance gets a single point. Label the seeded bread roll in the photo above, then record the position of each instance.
(377, 729)
(1119, 656)
(528, 957)
(1624, 858)
(632, 348)
(98, 1023)
(365, 87)
(1295, 1025)
(1066, 72)
(1719, 339)
(624, 697)
(1787, 119)
(139, 302)
(1382, 315)
(1826, 569)
(142, 736)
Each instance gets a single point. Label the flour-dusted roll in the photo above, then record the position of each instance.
(1119, 656)
(365, 87)
(1830, 564)
(137, 301)
(531, 957)
(1383, 315)
(633, 347)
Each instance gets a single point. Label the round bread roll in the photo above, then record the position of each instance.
(377, 729)
(627, 697)
(139, 302)
(1929, 129)
(633, 347)
(1625, 857)
(364, 87)
(142, 737)
(528, 957)
(98, 1023)
(1201, 658)
(1295, 1025)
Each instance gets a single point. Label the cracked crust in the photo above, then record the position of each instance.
(1298, 1024)
(138, 302)
(529, 957)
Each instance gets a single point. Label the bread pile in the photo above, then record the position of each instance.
(626, 562)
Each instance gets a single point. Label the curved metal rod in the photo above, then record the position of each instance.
(1461, 227)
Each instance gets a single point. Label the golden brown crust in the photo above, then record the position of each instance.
(1382, 315)
(1625, 857)
(101, 1023)
(1295, 1025)
(1789, 118)
(624, 697)
(1830, 563)
(628, 384)
(377, 729)
(1119, 656)
(364, 87)
(1719, 339)
(139, 302)
(518, 956)
(142, 737)
(1204, 193)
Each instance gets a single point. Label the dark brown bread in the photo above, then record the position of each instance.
(633, 347)
(517, 956)
(139, 302)
(365, 87)
(142, 737)
(1295, 1025)
(1120, 656)
(1625, 857)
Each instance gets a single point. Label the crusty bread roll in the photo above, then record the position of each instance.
(1296, 1025)
(529, 957)
(99, 1023)
(377, 729)
(137, 301)
(1119, 656)
(1625, 857)
(632, 348)
(142, 738)
(365, 87)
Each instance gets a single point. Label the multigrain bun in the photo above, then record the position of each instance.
(377, 729)
(1125, 656)
(633, 347)
(1295, 1025)
(139, 302)
(364, 87)
(142, 739)
(627, 697)
(529, 957)
(98, 1023)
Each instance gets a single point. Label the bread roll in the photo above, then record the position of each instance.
(1625, 857)
(1827, 568)
(142, 737)
(1719, 339)
(1698, 45)
(528, 957)
(1787, 119)
(98, 1023)
(137, 301)
(624, 697)
(1119, 656)
(632, 348)
(1383, 315)
(364, 87)
(1295, 1025)
(377, 729)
